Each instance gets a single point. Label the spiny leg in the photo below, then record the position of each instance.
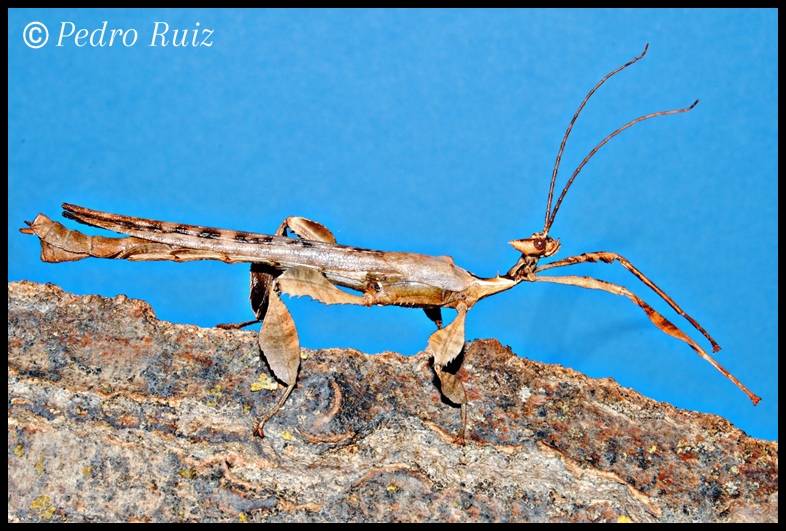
(444, 345)
(608, 258)
(661, 322)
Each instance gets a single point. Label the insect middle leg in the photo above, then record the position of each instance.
(445, 345)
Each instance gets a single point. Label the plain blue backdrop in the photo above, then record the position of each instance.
(433, 132)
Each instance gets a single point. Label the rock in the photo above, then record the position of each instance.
(114, 415)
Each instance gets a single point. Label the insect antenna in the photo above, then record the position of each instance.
(550, 220)
(547, 224)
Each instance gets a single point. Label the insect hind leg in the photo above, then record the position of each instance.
(306, 229)
(262, 276)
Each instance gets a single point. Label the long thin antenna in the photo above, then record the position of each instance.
(550, 220)
(567, 132)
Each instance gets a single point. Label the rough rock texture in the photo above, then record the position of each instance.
(116, 416)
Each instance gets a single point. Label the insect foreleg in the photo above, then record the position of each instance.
(661, 322)
(608, 258)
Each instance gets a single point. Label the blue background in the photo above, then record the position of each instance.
(431, 132)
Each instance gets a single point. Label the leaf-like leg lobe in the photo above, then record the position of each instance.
(299, 281)
(306, 229)
(446, 343)
(279, 342)
(451, 386)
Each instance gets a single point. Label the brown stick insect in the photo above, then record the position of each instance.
(314, 264)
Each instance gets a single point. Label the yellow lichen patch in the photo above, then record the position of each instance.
(39, 466)
(19, 450)
(242, 518)
(87, 471)
(392, 488)
(287, 435)
(264, 382)
(654, 448)
(187, 473)
(216, 394)
(624, 519)
(303, 355)
(43, 507)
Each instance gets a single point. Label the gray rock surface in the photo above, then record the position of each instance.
(114, 415)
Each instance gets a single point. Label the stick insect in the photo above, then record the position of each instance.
(313, 264)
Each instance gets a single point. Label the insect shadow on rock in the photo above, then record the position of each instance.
(314, 264)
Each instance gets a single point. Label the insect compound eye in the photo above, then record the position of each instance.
(539, 243)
